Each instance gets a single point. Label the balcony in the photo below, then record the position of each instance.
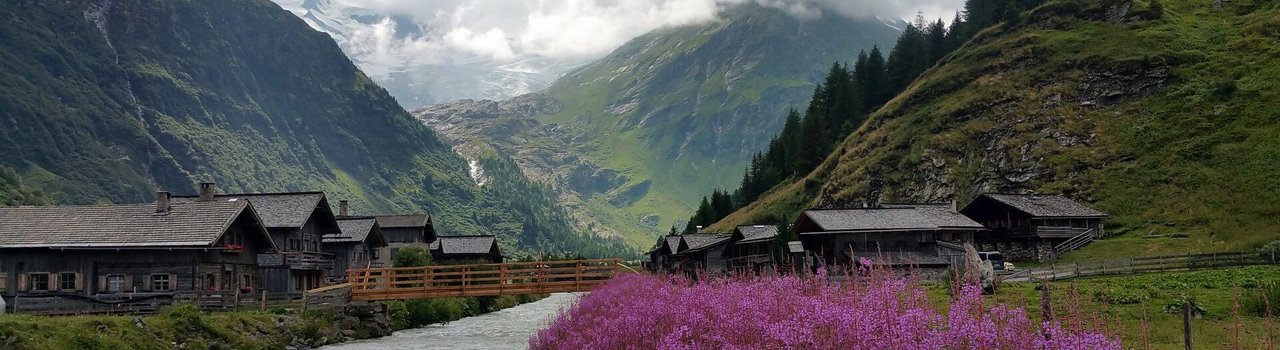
(1057, 231)
(308, 260)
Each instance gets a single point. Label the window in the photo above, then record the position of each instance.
(4, 281)
(39, 282)
(851, 246)
(161, 282)
(115, 284)
(394, 252)
(67, 281)
(374, 254)
(900, 245)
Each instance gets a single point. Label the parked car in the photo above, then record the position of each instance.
(996, 259)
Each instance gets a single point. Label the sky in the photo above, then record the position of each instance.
(568, 29)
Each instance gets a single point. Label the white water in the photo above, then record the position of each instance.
(504, 329)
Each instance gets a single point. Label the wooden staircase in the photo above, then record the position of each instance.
(1073, 243)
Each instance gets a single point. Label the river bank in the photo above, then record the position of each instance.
(186, 327)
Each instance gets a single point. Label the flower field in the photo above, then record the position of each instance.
(653, 312)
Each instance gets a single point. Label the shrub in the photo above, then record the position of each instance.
(411, 257)
(648, 312)
(1264, 301)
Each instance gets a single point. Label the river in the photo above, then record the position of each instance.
(504, 329)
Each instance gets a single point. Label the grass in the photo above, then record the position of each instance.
(1122, 301)
(1193, 154)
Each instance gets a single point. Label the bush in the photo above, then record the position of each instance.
(1121, 296)
(791, 312)
(1264, 301)
(411, 257)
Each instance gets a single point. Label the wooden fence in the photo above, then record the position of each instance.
(481, 279)
(1141, 265)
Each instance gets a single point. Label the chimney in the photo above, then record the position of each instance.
(206, 191)
(342, 208)
(162, 202)
(955, 207)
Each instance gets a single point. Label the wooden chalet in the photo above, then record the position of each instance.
(923, 236)
(447, 250)
(403, 231)
(356, 245)
(1034, 227)
(83, 256)
(751, 246)
(660, 256)
(297, 222)
(703, 252)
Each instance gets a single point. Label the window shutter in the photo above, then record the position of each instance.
(53, 282)
(102, 283)
(128, 284)
(173, 282)
(79, 281)
(22, 282)
(148, 282)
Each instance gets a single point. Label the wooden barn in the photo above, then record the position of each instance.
(356, 246)
(751, 246)
(478, 249)
(1034, 227)
(297, 222)
(923, 236)
(704, 252)
(87, 254)
(660, 256)
(403, 231)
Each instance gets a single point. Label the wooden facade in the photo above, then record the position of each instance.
(404, 231)
(355, 247)
(297, 222)
(475, 249)
(81, 254)
(1034, 227)
(751, 247)
(703, 252)
(919, 235)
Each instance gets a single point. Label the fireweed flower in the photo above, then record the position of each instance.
(636, 311)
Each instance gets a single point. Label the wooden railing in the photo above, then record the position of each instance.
(1074, 243)
(309, 260)
(480, 279)
(1142, 265)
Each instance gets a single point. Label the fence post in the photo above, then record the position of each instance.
(304, 300)
(263, 304)
(577, 276)
(236, 302)
(1186, 323)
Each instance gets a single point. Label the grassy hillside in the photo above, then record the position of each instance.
(638, 136)
(1161, 114)
(107, 101)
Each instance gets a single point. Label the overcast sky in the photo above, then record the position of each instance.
(502, 29)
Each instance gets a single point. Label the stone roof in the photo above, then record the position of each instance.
(1040, 205)
(403, 221)
(353, 230)
(186, 224)
(672, 244)
(757, 233)
(699, 241)
(464, 244)
(892, 218)
(277, 210)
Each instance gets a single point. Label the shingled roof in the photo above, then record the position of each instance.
(891, 218)
(403, 221)
(694, 242)
(481, 244)
(277, 210)
(186, 224)
(1049, 206)
(355, 229)
(672, 243)
(756, 233)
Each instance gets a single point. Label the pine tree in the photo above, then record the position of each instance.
(877, 83)
(936, 39)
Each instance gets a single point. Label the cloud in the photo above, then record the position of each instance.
(509, 29)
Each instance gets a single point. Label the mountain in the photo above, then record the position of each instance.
(633, 140)
(107, 101)
(1159, 113)
(388, 47)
